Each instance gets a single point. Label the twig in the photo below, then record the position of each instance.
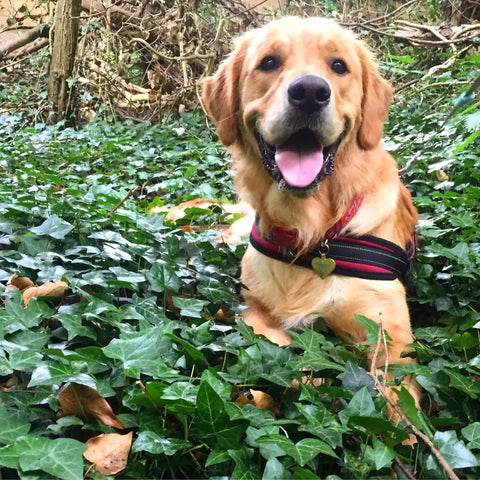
(197, 56)
(383, 17)
(428, 28)
(409, 164)
(419, 434)
(446, 64)
(413, 41)
(126, 197)
(183, 62)
(392, 13)
(466, 28)
(155, 406)
(404, 469)
(117, 78)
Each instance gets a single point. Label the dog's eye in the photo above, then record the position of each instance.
(269, 63)
(339, 67)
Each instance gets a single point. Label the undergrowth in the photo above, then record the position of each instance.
(143, 319)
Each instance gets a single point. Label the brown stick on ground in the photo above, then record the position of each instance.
(24, 38)
(27, 49)
(384, 393)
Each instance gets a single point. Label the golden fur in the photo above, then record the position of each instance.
(239, 98)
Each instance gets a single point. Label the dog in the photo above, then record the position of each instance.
(300, 105)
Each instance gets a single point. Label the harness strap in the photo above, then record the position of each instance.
(367, 257)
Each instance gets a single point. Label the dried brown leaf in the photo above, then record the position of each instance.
(259, 399)
(48, 289)
(85, 402)
(109, 452)
(20, 283)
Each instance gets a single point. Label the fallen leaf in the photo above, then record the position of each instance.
(109, 452)
(177, 212)
(85, 402)
(223, 315)
(259, 399)
(20, 283)
(48, 289)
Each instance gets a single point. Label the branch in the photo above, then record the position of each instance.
(113, 77)
(97, 7)
(382, 17)
(24, 38)
(409, 164)
(127, 196)
(27, 50)
(394, 405)
(196, 56)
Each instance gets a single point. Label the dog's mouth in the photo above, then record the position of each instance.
(300, 163)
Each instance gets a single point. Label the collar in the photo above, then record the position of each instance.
(364, 257)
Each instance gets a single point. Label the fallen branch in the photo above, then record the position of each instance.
(27, 49)
(95, 6)
(24, 38)
(446, 65)
(113, 77)
(126, 197)
(196, 56)
(409, 164)
(394, 405)
(384, 17)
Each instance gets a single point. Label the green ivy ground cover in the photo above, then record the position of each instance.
(137, 323)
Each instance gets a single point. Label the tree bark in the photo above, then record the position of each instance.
(64, 46)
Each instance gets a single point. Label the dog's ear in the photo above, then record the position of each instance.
(221, 95)
(377, 95)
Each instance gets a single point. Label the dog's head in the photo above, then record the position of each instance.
(295, 92)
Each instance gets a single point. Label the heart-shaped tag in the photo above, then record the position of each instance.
(323, 266)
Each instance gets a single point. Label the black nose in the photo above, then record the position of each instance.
(309, 93)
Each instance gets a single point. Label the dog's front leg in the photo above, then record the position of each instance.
(264, 324)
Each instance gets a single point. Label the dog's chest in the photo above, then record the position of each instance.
(296, 295)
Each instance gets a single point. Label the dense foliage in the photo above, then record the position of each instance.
(138, 322)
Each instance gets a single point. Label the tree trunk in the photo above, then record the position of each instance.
(64, 46)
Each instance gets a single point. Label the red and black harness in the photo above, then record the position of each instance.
(364, 257)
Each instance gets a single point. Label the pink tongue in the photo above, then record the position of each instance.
(299, 170)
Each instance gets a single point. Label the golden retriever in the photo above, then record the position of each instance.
(300, 104)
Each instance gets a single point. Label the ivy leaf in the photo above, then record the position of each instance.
(462, 383)
(360, 405)
(472, 434)
(60, 458)
(407, 404)
(302, 451)
(16, 317)
(157, 444)
(217, 456)
(382, 454)
(456, 454)
(354, 378)
(212, 421)
(275, 470)
(141, 353)
(50, 373)
(12, 428)
(53, 226)
(190, 307)
(372, 328)
(163, 277)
